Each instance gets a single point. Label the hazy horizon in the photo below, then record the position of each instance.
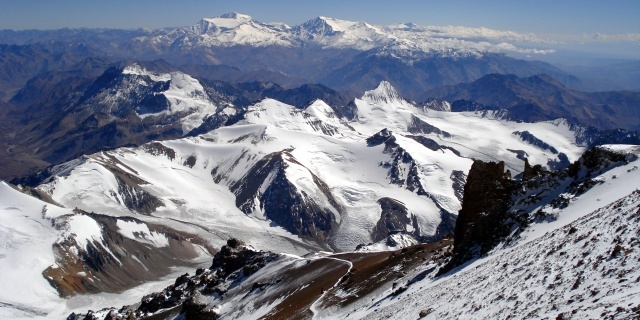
(588, 29)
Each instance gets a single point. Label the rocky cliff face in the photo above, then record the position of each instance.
(394, 218)
(482, 221)
(269, 187)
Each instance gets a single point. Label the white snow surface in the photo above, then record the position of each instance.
(136, 231)
(85, 229)
(26, 237)
(393, 242)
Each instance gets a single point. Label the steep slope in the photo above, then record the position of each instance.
(573, 261)
(541, 97)
(49, 253)
(124, 106)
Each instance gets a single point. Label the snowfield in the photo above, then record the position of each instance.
(26, 236)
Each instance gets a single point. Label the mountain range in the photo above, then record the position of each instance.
(377, 174)
(541, 97)
(95, 105)
(335, 169)
(352, 56)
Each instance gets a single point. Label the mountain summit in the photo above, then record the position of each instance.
(385, 93)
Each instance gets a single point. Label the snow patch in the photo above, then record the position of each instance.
(140, 231)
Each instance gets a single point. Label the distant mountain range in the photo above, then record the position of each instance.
(94, 105)
(541, 97)
(344, 55)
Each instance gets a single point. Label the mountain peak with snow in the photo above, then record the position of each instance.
(229, 30)
(229, 20)
(384, 93)
(324, 26)
(157, 95)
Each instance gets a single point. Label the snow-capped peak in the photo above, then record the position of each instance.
(384, 93)
(337, 24)
(184, 95)
(229, 20)
(228, 30)
(325, 26)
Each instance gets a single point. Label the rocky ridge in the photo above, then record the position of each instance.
(497, 208)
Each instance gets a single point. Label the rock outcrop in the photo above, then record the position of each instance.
(394, 218)
(233, 264)
(496, 207)
(269, 188)
(116, 261)
(482, 221)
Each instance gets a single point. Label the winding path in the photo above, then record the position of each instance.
(312, 308)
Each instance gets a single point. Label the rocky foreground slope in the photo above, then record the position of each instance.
(579, 262)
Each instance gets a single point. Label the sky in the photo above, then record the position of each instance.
(534, 16)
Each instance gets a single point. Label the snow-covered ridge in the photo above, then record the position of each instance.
(136, 69)
(229, 20)
(398, 40)
(226, 30)
(185, 95)
(47, 251)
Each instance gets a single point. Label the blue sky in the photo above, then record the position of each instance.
(537, 16)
